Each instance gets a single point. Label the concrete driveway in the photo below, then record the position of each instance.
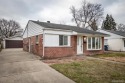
(17, 66)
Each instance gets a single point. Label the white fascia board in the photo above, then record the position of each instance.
(13, 37)
(74, 33)
(90, 35)
(57, 31)
(25, 28)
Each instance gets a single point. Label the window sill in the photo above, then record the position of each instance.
(58, 46)
(93, 49)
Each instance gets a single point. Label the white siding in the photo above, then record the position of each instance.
(33, 29)
(116, 44)
(112, 35)
(53, 40)
(123, 44)
(25, 35)
(114, 41)
(61, 32)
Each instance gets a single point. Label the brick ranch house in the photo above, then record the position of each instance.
(51, 40)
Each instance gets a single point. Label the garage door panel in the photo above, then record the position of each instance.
(14, 43)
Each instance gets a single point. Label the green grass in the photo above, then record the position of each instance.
(92, 71)
(110, 55)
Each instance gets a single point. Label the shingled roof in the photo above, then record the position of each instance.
(121, 33)
(67, 27)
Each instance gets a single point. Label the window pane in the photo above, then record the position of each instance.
(60, 39)
(93, 42)
(105, 41)
(89, 43)
(37, 39)
(97, 43)
(65, 40)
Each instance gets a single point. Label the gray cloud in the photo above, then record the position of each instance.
(54, 10)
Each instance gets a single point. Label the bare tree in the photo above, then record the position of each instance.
(121, 27)
(87, 14)
(9, 28)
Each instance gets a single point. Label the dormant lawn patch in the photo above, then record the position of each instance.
(92, 71)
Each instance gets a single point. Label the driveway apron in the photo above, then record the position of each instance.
(18, 66)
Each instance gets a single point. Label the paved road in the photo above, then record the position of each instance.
(17, 66)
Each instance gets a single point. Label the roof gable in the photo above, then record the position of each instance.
(67, 27)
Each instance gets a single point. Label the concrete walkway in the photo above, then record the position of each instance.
(17, 66)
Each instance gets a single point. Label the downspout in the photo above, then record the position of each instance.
(43, 43)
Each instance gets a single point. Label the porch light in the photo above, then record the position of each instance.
(85, 39)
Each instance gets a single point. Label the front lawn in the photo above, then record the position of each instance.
(114, 56)
(92, 71)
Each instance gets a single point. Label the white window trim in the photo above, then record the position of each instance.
(37, 39)
(68, 39)
(57, 45)
(95, 44)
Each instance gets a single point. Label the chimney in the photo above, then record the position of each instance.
(48, 21)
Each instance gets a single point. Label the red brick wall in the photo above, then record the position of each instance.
(34, 48)
(92, 52)
(53, 52)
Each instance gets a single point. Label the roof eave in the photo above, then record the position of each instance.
(56, 29)
(94, 35)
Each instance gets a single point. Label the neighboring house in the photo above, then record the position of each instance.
(13, 42)
(116, 40)
(51, 40)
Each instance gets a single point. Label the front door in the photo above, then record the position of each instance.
(79, 45)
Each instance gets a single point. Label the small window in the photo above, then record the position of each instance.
(63, 40)
(105, 41)
(37, 40)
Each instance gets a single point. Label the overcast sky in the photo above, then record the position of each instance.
(56, 11)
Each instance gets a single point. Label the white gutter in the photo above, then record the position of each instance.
(94, 35)
(43, 42)
(56, 29)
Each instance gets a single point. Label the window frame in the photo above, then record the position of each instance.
(37, 39)
(63, 40)
(97, 40)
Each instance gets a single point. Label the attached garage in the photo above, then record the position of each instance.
(13, 42)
